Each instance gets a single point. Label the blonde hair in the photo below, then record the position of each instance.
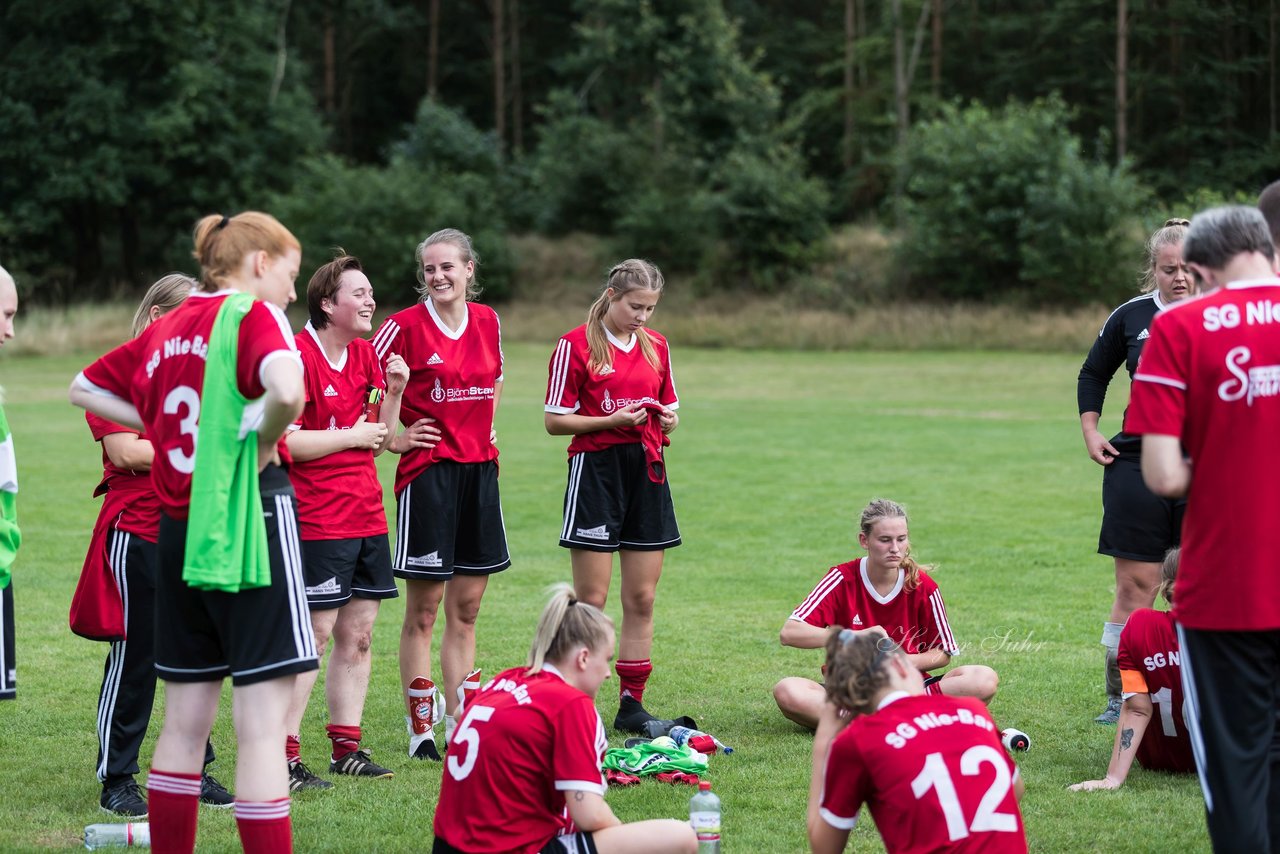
(566, 624)
(166, 293)
(883, 508)
(1169, 573)
(856, 670)
(462, 242)
(222, 242)
(626, 276)
(1172, 233)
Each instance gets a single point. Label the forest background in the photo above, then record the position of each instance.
(844, 153)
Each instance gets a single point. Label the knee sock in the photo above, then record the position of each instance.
(173, 801)
(632, 678)
(345, 739)
(264, 826)
(1111, 640)
(292, 749)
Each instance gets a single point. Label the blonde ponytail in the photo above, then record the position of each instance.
(566, 624)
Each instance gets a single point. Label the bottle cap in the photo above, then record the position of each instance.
(704, 785)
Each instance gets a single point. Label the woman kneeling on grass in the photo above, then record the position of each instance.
(930, 768)
(1151, 676)
(529, 748)
(885, 589)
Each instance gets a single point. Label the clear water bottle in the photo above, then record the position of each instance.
(134, 834)
(704, 815)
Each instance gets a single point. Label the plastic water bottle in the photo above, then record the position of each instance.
(704, 815)
(134, 834)
(683, 735)
(1015, 740)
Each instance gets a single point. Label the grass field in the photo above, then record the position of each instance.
(775, 454)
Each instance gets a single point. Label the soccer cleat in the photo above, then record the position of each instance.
(424, 747)
(1112, 713)
(301, 778)
(123, 798)
(357, 764)
(213, 793)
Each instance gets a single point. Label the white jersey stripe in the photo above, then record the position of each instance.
(400, 558)
(382, 340)
(829, 582)
(1152, 378)
(118, 549)
(559, 373)
(944, 628)
(1191, 717)
(571, 496)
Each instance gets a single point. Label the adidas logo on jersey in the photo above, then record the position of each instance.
(1144, 335)
(330, 586)
(330, 391)
(598, 533)
(431, 560)
(857, 620)
(435, 359)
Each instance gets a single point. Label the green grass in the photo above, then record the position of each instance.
(775, 454)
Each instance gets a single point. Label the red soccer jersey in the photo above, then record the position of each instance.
(162, 371)
(339, 497)
(933, 773)
(139, 507)
(1150, 663)
(523, 743)
(1210, 374)
(452, 378)
(916, 620)
(571, 388)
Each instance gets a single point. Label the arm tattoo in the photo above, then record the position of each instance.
(578, 796)
(1126, 739)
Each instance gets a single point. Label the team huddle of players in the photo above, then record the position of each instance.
(277, 415)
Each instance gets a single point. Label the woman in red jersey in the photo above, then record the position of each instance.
(1151, 728)
(221, 372)
(930, 768)
(610, 387)
(450, 535)
(522, 772)
(115, 599)
(887, 588)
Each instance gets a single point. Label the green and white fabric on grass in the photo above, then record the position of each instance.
(10, 536)
(644, 760)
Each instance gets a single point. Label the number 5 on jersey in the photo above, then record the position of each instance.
(466, 738)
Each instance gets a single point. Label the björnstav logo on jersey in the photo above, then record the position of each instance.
(607, 403)
(1262, 381)
(437, 393)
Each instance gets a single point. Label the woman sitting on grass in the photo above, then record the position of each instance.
(1151, 677)
(527, 753)
(930, 768)
(889, 590)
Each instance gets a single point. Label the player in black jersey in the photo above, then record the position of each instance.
(1137, 526)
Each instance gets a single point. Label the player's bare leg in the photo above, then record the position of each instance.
(458, 646)
(970, 680)
(347, 679)
(640, 574)
(1136, 584)
(422, 605)
(321, 626)
(592, 572)
(800, 700)
(258, 712)
(655, 836)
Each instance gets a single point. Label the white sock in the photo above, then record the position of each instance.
(450, 724)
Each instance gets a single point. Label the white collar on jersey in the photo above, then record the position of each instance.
(342, 362)
(614, 340)
(444, 327)
(891, 697)
(1252, 283)
(871, 588)
(551, 668)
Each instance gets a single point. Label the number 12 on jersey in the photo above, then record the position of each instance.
(936, 776)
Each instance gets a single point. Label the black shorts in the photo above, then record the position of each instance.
(8, 670)
(581, 842)
(336, 570)
(449, 519)
(610, 504)
(253, 635)
(1137, 524)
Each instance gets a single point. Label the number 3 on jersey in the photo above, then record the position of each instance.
(935, 775)
(180, 398)
(467, 738)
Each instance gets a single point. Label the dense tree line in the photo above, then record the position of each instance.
(719, 135)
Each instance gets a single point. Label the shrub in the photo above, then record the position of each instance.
(1002, 203)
